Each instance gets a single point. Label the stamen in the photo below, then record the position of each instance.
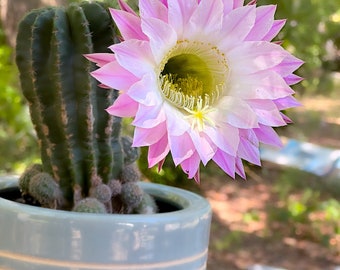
(176, 92)
(192, 76)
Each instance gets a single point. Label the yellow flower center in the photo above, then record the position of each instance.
(192, 76)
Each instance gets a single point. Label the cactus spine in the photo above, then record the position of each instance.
(80, 143)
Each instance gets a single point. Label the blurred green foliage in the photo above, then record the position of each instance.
(17, 140)
(307, 208)
(312, 34)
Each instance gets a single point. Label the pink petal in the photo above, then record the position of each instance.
(263, 23)
(145, 91)
(148, 136)
(101, 59)
(164, 2)
(125, 7)
(236, 112)
(275, 29)
(181, 147)
(227, 6)
(289, 64)
(292, 79)
(248, 148)
(267, 112)
(239, 168)
(128, 24)
(153, 9)
(236, 26)
(237, 3)
(161, 35)
(114, 76)
(226, 162)
(176, 123)
(286, 102)
(206, 19)
(225, 137)
(179, 14)
(263, 85)
(267, 135)
(203, 145)
(191, 165)
(253, 56)
(135, 56)
(149, 116)
(158, 151)
(124, 106)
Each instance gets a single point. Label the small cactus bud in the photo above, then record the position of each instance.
(101, 192)
(131, 154)
(131, 195)
(44, 189)
(129, 174)
(90, 205)
(27, 175)
(147, 205)
(115, 186)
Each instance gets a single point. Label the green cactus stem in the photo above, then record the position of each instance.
(90, 205)
(86, 164)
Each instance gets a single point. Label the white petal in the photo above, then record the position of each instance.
(135, 56)
(251, 57)
(206, 20)
(161, 35)
(146, 91)
(236, 112)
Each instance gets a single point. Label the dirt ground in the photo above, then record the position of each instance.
(237, 243)
(242, 233)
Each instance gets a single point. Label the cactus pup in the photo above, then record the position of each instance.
(86, 163)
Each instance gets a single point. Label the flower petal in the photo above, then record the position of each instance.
(128, 24)
(225, 137)
(254, 56)
(179, 13)
(101, 59)
(236, 26)
(158, 151)
(181, 148)
(236, 112)
(203, 145)
(206, 19)
(176, 123)
(145, 91)
(263, 85)
(267, 135)
(267, 112)
(148, 136)
(274, 30)
(161, 35)
(149, 116)
(248, 148)
(191, 166)
(226, 162)
(115, 76)
(123, 106)
(153, 9)
(135, 56)
(263, 23)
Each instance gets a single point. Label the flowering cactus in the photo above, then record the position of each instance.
(85, 161)
(202, 80)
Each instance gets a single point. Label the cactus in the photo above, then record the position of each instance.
(81, 145)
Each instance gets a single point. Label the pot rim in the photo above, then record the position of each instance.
(189, 202)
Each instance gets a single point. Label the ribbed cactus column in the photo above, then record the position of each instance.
(80, 143)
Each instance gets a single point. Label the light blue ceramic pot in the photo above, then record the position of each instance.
(34, 238)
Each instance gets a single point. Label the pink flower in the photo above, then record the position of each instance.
(202, 80)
